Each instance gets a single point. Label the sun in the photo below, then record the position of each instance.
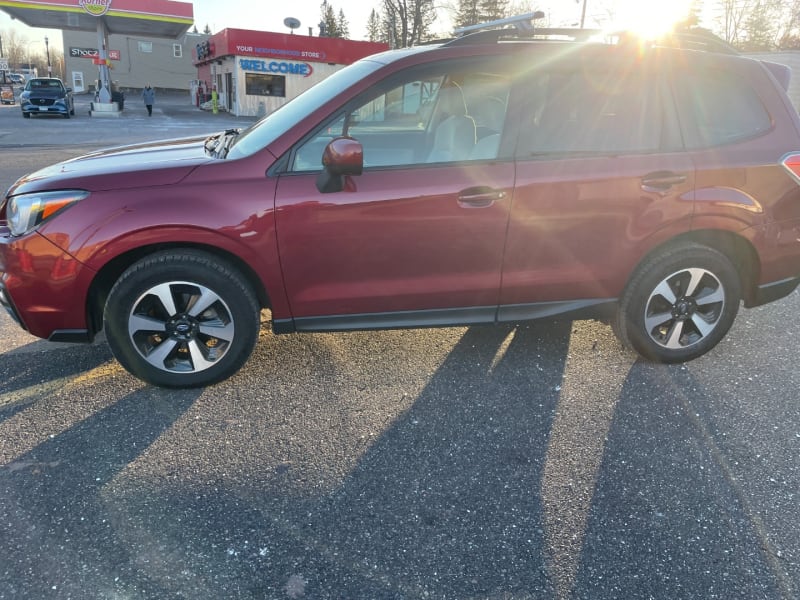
(650, 18)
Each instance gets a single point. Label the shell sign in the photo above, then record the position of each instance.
(95, 7)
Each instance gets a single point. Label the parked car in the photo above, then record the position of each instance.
(46, 95)
(17, 79)
(475, 181)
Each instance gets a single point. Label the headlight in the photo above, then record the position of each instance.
(26, 211)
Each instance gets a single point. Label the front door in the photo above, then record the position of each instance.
(418, 237)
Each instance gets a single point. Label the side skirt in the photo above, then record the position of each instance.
(480, 315)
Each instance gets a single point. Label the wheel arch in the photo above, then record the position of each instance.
(106, 277)
(739, 250)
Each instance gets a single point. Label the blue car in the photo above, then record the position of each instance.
(46, 95)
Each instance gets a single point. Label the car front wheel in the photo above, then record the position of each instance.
(679, 304)
(181, 319)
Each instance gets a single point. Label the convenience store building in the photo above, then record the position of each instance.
(255, 72)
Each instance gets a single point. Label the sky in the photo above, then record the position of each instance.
(241, 14)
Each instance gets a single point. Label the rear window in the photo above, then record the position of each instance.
(718, 108)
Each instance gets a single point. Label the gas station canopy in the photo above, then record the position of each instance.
(152, 18)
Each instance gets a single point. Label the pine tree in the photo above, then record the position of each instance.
(491, 10)
(327, 26)
(343, 26)
(468, 13)
(374, 27)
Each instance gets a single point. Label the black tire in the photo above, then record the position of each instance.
(182, 318)
(26, 115)
(679, 304)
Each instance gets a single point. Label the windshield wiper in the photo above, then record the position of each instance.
(218, 144)
(228, 140)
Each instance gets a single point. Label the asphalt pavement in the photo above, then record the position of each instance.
(541, 461)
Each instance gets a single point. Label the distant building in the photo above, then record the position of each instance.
(256, 72)
(135, 61)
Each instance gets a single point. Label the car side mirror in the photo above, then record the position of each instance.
(69, 89)
(342, 156)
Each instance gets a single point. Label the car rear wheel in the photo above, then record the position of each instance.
(182, 319)
(679, 304)
(26, 115)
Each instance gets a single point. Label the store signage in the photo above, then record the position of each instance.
(95, 7)
(274, 66)
(282, 52)
(92, 53)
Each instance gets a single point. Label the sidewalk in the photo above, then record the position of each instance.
(171, 104)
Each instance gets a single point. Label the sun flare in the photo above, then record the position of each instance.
(650, 18)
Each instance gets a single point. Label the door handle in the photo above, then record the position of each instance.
(661, 181)
(480, 197)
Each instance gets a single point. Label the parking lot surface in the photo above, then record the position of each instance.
(528, 462)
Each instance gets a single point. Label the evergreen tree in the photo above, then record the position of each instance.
(374, 32)
(343, 26)
(491, 10)
(468, 13)
(329, 27)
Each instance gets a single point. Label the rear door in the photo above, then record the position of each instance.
(601, 177)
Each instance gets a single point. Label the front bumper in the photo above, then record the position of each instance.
(50, 109)
(43, 288)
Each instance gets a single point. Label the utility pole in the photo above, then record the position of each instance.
(47, 51)
(583, 13)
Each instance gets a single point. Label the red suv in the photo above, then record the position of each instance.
(481, 180)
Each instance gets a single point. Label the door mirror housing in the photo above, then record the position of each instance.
(342, 156)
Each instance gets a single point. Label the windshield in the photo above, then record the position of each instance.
(287, 116)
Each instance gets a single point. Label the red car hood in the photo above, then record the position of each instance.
(150, 164)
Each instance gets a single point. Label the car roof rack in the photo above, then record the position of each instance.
(520, 27)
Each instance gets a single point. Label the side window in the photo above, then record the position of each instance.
(391, 124)
(609, 112)
(432, 115)
(717, 108)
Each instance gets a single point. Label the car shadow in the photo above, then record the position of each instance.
(33, 371)
(538, 461)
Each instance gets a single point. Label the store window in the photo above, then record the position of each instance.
(257, 84)
(146, 47)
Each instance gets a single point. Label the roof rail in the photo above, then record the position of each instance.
(687, 38)
(523, 22)
(491, 36)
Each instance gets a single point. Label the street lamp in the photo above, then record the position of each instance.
(47, 51)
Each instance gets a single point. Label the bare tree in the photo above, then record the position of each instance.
(408, 22)
(15, 49)
(757, 24)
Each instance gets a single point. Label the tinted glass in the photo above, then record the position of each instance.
(717, 108)
(603, 112)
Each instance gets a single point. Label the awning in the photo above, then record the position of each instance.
(151, 18)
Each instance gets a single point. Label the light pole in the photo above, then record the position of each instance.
(47, 51)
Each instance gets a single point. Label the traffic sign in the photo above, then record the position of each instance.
(3, 64)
